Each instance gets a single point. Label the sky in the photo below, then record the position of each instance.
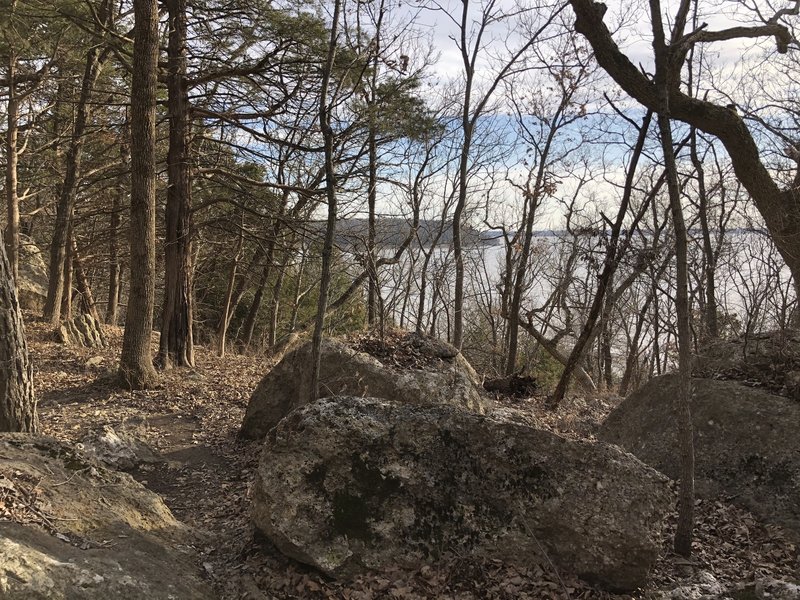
(731, 58)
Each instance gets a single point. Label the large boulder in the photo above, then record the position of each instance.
(32, 281)
(352, 484)
(746, 442)
(72, 529)
(447, 378)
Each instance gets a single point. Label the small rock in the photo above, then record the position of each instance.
(94, 361)
(119, 450)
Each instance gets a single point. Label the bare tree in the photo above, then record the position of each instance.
(96, 57)
(541, 120)
(325, 109)
(474, 22)
(778, 205)
(664, 87)
(614, 252)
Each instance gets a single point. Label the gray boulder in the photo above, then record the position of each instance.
(32, 281)
(70, 529)
(345, 371)
(746, 442)
(118, 449)
(352, 484)
(83, 330)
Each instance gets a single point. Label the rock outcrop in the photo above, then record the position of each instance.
(769, 360)
(72, 529)
(32, 282)
(746, 442)
(83, 330)
(345, 371)
(352, 484)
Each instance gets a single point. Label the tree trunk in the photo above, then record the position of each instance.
(458, 250)
(12, 199)
(297, 294)
(607, 357)
(69, 188)
(372, 196)
(709, 257)
(240, 288)
(516, 275)
(276, 303)
(606, 277)
(136, 364)
(330, 189)
(580, 373)
(663, 83)
(17, 400)
(177, 345)
(112, 305)
(252, 314)
(683, 535)
(633, 352)
(222, 330)
(66, 296)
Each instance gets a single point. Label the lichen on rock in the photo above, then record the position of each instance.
(348, 484)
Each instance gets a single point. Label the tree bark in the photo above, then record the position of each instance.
(177, 345)
(136, 364)
(112, 304)
(682, 405)
(67, 276)
(372, 196)
(222, 330)
(683, 535)
(17, 400)
(458, 250)
(12, 199)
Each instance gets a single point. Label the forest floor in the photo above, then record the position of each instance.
(192, 419)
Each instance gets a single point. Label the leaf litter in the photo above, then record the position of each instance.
(192, 419)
